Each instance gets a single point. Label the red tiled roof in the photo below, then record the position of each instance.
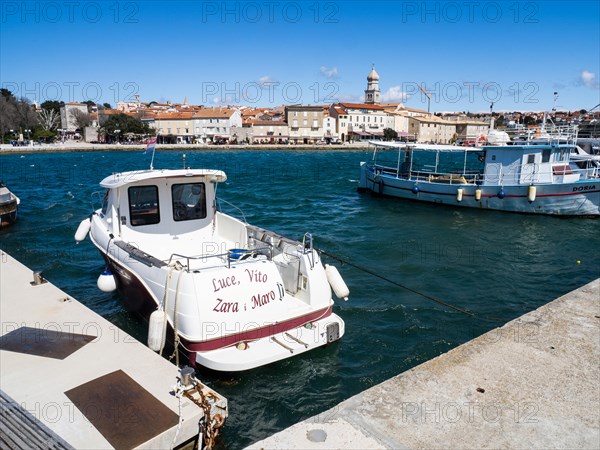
(275, 123)
(360, 106)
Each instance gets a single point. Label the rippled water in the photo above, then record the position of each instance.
(498, 265)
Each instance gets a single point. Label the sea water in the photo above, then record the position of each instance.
(497, 265)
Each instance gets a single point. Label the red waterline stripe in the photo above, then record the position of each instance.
(257, 333)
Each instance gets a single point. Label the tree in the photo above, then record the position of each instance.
(6, 94)
(389, 134)
(48, 119)
(529, 120)
(106, 105)
(8, 115)
(81, 119)
(89, 104)
(125, 124)
(52, 104)
(15, 114)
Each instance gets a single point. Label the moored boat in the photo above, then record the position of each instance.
(9, 205)
(552, 177)
(235, 295)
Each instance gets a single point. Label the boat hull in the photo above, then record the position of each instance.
(580, 198)
(8, 212)
(274, 341)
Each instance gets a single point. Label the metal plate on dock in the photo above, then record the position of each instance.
(43, 342)
(125, 413)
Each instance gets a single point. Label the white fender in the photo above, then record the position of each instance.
(106, 281)
(531, 193)
(478, 194)
(83, 229)
(459, 194)
(157, 330)
(337, 282)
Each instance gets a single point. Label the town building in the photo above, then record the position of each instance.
(198, 126)
(305, 123)
(68, 116)
(432, 129)
(268, 132)
(359, 121)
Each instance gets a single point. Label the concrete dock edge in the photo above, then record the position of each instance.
(532, 383)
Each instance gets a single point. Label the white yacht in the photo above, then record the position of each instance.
(236, 296)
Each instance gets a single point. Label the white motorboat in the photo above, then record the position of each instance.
(540, 177)
(236, 296)
(9, 205)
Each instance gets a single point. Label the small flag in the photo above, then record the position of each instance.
(150, 145)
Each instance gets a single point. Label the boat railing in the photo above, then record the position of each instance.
(556, 173)
(474, 177)
(429, 174)
(229, 258)
(550, 134)
(236, 208)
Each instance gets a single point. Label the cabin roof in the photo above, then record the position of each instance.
(535, 147)
(124, 178)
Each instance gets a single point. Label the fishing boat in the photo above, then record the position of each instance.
(9, 205)
(234, 296)
(543, 176)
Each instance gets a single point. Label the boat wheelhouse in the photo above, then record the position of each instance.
(9, 205)
(236, 296)
(555, 178)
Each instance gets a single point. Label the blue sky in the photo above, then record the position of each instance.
(466, 54)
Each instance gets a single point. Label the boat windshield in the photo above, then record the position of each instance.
(189, 201)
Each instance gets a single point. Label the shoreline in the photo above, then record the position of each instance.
(60, 148)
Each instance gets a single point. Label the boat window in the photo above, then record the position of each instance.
(143, 205)
(530, 159)
(105, 203)
(546, 155)
(189, 201)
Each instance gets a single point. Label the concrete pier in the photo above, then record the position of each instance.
(533, 383)
(71, 379)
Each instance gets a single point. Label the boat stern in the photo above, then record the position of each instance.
(247, 355)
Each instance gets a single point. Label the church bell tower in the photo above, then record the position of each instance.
(372, 91)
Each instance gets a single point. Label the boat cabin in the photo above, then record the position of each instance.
(528, 164)
(178, 206)
(489, 165)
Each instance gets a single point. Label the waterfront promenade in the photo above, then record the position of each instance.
(532, 383)
(72, 146)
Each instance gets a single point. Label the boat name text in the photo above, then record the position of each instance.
(223, 306)
(262, 299)
(256, 276)
(584, 188)
(224, 283)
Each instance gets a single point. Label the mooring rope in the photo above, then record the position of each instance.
(395, 283)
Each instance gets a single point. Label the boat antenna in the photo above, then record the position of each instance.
(554, 104)
(492, 116)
